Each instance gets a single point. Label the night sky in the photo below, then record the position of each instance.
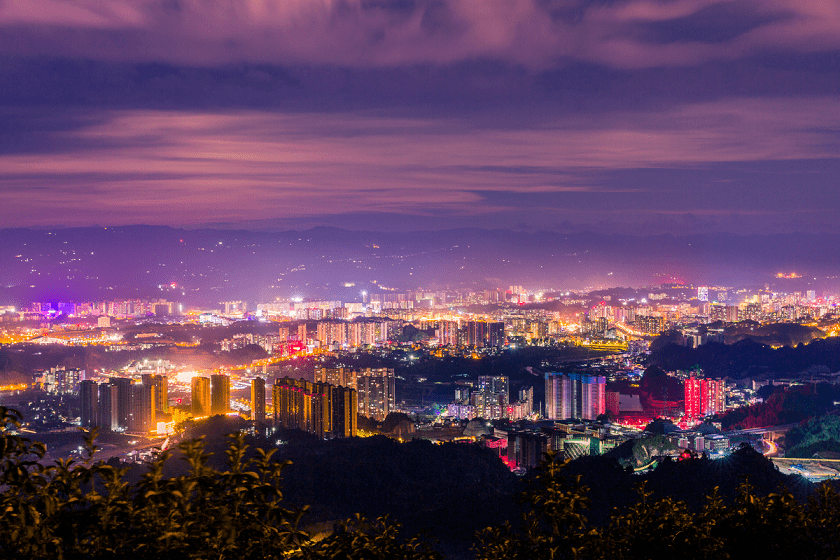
(640, 117)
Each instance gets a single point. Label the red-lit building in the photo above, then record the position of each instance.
(704, 397)
(612, 400)
(713, 395)
(693, 397)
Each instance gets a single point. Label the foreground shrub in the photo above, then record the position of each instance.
(85, 509)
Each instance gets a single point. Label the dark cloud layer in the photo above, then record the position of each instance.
(674, 116)
(360, 33)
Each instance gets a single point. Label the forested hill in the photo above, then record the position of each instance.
(748, 358)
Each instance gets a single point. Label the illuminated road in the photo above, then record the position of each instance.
(756, 431)
(626, 329)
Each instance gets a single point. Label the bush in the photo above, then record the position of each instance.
(85, 509)
(773, 526)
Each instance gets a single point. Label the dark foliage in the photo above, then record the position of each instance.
(590, 508)
(87, 510)
(817, 435)
(558, 524)
(784, 405)
(748, 357)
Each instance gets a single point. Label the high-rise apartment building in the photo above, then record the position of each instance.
(693, 397)
(376, 392)
(62, 381)
(317, 408)
(301, 405)
(107, 417)
(482, 334)
(704, 397)
(491, 397)
(161, 385)
(344, 406)
(362, 333)
(219, 394)
(123, 400)
(612, 399)
(340, 377)
(650, 324)
(292, 404)
(524, 406)
(332, 332)
(495, 334)
(715, 396)
(200, 396)
(477, 333)
(494, 384)
(141, 416)
(574, 395)
(486, 406)
(258, 399)
(447, 333)
(89, 395)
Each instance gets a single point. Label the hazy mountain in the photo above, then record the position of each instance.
(208, 265)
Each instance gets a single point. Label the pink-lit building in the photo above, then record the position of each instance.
(704, 397)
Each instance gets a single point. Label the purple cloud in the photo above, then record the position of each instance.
(360, 33)
(194, 167)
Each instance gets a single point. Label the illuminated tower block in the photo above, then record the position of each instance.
(161, 385)
(122, 402)
(200, 396)
(376, 392)
(344, 406)
(107, 408)
(693, 397)
(258, 399)
(89, 395)
(141, 417)
(574, 396)
(219, 394)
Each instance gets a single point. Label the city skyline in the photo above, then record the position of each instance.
(664, 117)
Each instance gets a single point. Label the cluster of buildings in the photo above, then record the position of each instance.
(267, 341)
(375, 388)
(662, 311)
(338, 334)
(479, 334)
(60, 380)
(700, 442)
(489, 398)
(574, 395)
(123, 406)
(329, 406)
(210, 395)
(317, 408)
(523, 446)
(121, 309)
(327, 334)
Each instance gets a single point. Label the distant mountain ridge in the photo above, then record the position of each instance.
(214, 265)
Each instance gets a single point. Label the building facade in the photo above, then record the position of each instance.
(574, 395)
(258, 399)
(200, 396)
(219, 394)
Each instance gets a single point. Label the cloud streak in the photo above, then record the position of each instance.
(196, 167)
(480, 111)
(369, 33)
